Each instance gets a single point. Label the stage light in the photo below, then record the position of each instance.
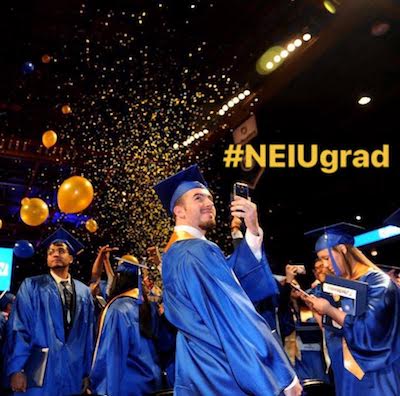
(364, 100)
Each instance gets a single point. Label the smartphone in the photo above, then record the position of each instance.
(241, 190)
(299, 289)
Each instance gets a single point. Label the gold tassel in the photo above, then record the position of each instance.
(291, 348)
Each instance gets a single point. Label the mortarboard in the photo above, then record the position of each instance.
(171, 189)
(333, 235)
(61, 235)
(6, 298)
(393, 219)
(133, 268)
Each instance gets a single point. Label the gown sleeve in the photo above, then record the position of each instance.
(257, 361)
(373, 337)
(19, 330)
(254, 276)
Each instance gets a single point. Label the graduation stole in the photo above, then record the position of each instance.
(291, 347)
(134, 293)
(349, 362)
(178, 236)
(359, 270)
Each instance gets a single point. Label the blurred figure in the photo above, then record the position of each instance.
(395, 277)
(125, 362)
(320, 271)
(6, 301)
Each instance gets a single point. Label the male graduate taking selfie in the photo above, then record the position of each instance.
(223, 345)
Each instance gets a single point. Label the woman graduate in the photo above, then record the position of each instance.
(125, 361)
(365, 352)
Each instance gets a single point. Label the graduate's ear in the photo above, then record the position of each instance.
(70, 258)
(179, 211)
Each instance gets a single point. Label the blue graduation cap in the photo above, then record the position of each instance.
(333, 235)
(133, 268)
(63, 236)
(171, 189)
(393, 219)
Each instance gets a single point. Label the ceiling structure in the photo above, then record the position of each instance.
(142, 77)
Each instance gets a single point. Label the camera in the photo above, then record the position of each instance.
(301, 269)
(241, 190)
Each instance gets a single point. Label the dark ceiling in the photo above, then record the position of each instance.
(143, 75)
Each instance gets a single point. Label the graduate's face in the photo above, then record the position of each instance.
(196, 208)
(337, 254)
(58, 256)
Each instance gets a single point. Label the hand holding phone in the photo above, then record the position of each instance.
(299, 289)
(242, 207)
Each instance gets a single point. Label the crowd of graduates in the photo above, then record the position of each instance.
(209, 326)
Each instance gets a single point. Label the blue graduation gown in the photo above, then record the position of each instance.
(165, 342)
(223, 345)
(311, 366)
(3, 322)
(374, 341)
(3, 350)
(37, 321)
(126, 363)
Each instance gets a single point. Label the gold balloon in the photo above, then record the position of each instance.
(25, 201)
(91, 225)
(35, 212)
(66, 109)
(46, 58)
(75, 194)
(49, 139)
(129, 257)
